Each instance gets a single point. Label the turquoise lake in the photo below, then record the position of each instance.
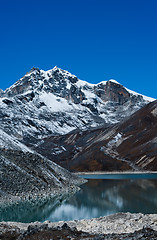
(102, 195)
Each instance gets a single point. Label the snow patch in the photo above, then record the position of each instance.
(115, 140)
(9, 142)
(54, 103)
(82, 83)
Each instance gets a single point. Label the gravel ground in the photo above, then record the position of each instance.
(118, 226)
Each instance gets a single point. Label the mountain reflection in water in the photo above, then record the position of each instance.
(98, 197)
(103, 197)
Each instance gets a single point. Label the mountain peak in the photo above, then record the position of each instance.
(56, 68)
(114, 81)
(32, 70)
(63, 84)
(63, 72)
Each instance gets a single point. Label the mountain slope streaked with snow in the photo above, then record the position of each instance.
(55, 102)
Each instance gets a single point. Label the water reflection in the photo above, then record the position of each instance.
(30, 211)
(103, 197)
(96, 198)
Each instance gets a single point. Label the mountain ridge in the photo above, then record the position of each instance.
(65, 72)
(56, 102)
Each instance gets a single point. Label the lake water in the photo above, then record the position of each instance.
(100, 196)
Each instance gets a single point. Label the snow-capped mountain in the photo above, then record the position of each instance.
(56, 102)
(43, 106)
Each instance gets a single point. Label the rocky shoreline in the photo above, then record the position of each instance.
(28, 176)
(116, 172)
(118, 226)
(41, 196)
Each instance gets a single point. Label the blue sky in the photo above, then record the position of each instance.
(94, 39)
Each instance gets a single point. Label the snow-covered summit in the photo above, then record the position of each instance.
(56, 102)
(55, 80)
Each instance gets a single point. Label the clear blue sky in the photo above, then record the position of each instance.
(95, 40)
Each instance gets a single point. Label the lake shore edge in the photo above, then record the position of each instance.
(107, 227)
(115, 172)
(41, 195)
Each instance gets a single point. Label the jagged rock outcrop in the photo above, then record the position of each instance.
(116, 93)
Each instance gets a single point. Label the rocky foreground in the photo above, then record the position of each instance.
(118, 226)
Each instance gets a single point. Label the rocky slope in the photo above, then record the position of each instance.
(55, 102)
(131, 144)
(26, 174)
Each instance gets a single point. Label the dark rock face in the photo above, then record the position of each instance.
(116, 93)
(76, 94)
(7, 101)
